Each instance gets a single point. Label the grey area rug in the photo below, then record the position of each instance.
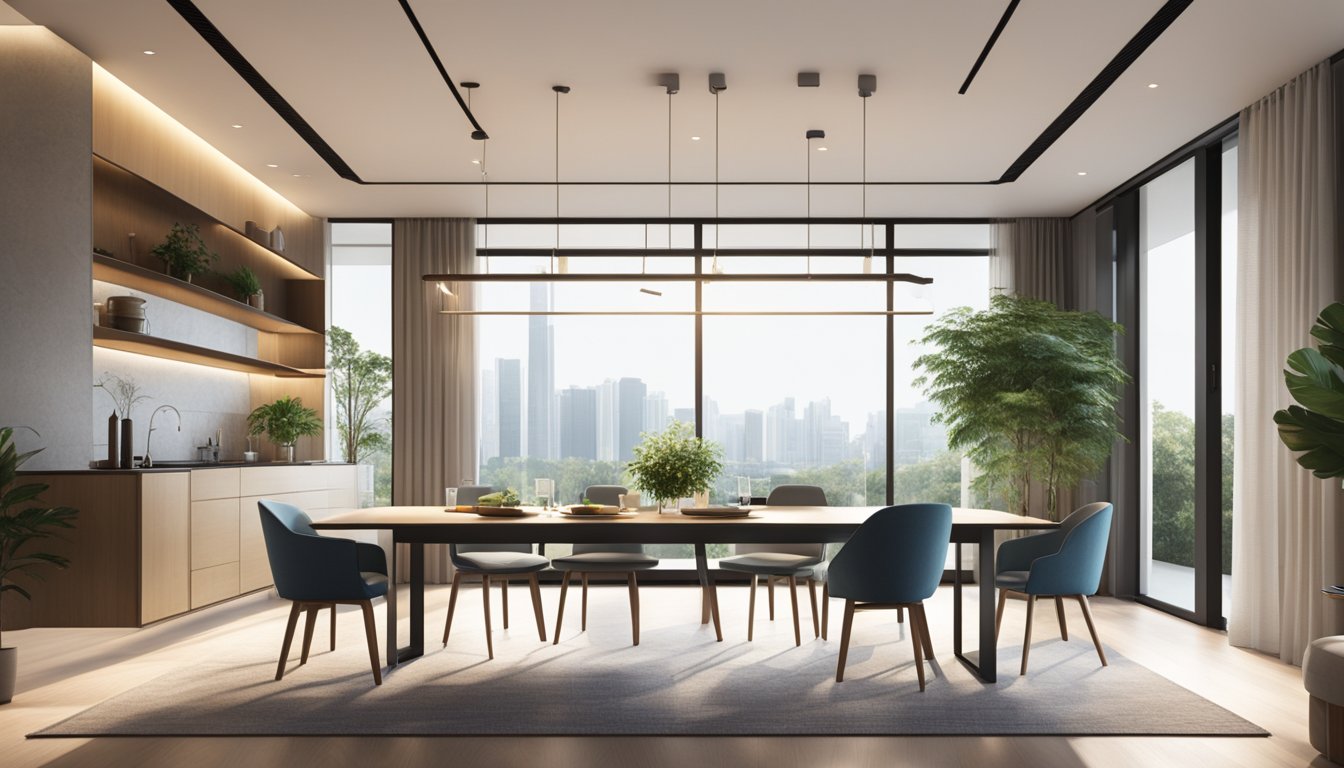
(677, 682)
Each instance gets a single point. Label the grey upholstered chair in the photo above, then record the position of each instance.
(602, 558)
(500, 561)
(788, 562)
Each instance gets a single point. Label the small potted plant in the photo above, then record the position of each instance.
(247, 287)
(284, 421)
(183, 253)
(674, 464)
(23, 518)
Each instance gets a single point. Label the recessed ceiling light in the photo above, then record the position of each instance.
(821, 149)
(1152, 85)
(150, 53)
(1082, 173)
(475, 162)
(695, 138)
(272, 165)
(235, 125)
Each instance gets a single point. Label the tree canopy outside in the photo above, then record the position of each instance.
(360, 381)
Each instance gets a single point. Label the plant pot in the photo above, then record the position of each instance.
(9, 673)
(669, 506)
(257, 301)
(287, 453)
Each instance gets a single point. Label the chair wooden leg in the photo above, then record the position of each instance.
(844, 641)
(1059, 612)
(751, 609)
(917, 612)
(485, 602)
(793, 598)
(704, 606)
(917, 637)
(560, 610)
(1087, 616)
(825, 608)
(634, 606)
(504, 599)
(289, 639)
(1026, 642)
(371, 633)
(583, 614)
(998, 615)
(900, 615)
(452, 605)
(770, 588)
(309, 622)
(816, 620)
(536, 606)
(333, 626)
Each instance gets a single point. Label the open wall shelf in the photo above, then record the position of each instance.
(121, 273)
(167, 349)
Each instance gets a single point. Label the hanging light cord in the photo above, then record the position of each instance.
(863, 194)
(809, 206)
(713, 267)
(557, 181)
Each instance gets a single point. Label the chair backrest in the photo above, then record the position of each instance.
(1082, 555)
(583, 549)
(796, 496)
(469, 494)
(790, 496)
(605, 494)
(300, 564)
(896, 556)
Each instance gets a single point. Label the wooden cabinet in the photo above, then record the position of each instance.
(165, 533)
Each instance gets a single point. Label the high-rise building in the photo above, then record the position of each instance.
(540, 375)
(509, 383)
(489, 414)
(606, 420)
(753, 437)
(684, 415)
(630, 394)
(578, 423)
(917, 437)
(875, 441)
(655, 412)
(782, 431)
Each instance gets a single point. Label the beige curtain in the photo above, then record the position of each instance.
(1285, 535)
(433, 370)
(1033, 258)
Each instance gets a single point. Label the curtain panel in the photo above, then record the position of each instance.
(433, 371)
(1286, 537)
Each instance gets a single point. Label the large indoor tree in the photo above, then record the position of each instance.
(1028, 392)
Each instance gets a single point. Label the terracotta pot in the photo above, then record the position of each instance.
(9, 673)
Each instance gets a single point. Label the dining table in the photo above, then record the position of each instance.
(417, 526)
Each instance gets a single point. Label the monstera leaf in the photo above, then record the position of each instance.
(1315, 379)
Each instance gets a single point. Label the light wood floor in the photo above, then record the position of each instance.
(65, 671)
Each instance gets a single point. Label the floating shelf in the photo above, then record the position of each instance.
(122, 273)
(153, 346)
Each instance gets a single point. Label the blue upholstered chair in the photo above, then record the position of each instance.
(786, 562)
(894, 560)
(1065, 562)
(317, 572)
(497, 561)
(602, 558)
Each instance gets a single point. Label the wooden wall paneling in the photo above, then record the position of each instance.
(210, 585)
(101, 588)
(214, 533)
(215, 483)
(165, 540)
(307, 303)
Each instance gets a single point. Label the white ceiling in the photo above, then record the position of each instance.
(358, 74)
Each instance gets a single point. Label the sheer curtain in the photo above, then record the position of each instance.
(433, 370)
(1033, 258)
(1286, 539)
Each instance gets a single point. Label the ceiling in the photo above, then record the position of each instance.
(358, 74)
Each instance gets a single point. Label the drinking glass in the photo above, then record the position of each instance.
(744, 491)
(545, 489)
(450, 497)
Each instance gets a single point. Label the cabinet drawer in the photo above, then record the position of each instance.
(306, 501)
(254, 570)
(214, 533)
(268, 481)
(210, 585)
(214, 483)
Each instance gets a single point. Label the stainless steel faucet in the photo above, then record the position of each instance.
(149, 462)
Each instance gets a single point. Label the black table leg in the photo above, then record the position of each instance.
(391, 629)
(707, 584)
(956, 602)
(987, 668)
(417, 646)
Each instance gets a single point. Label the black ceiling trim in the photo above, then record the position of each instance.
(480, 133)
(1158, 24)
(211, 34)
(993, 38)
(1165, 16)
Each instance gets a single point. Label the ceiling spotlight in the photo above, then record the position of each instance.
(235, 125)
(272, 165)
(809, 79)
(150, 53)
(296, 175)
(867, 85)
(475, 162)
(1082, 173)
(821, 149)
(670, 81)
(695, 138)
(1152, 85)
(717, 82)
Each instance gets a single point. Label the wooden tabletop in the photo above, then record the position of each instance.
(765, 525)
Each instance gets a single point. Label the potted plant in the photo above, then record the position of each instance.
(1315, 379)
(674, 464)
(183, 253)
(1028, 391)
(247, 287)
(360, 381)
(23, 519)
(284, 421)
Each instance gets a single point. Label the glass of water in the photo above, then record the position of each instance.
(450, 497)
(545, 490)
(744, 491)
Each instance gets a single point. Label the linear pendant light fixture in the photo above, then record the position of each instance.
(867, 86)
(555, 252)
(812, 134)
(717, 84)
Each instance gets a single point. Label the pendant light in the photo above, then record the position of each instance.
(811, 135)
(717, 84)
(671, 83)
(867, 86)
(563, 261)
(471, 87)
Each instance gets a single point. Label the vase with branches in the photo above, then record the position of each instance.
(674, 464)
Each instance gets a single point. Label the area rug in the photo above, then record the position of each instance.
(678, 681)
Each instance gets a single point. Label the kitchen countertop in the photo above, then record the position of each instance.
(220, 465)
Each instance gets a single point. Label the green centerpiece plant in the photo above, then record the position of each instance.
(674, 464)
(1315, 427)
(184, 253)
(1028, 391)
(23, 519)
(284, 421)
